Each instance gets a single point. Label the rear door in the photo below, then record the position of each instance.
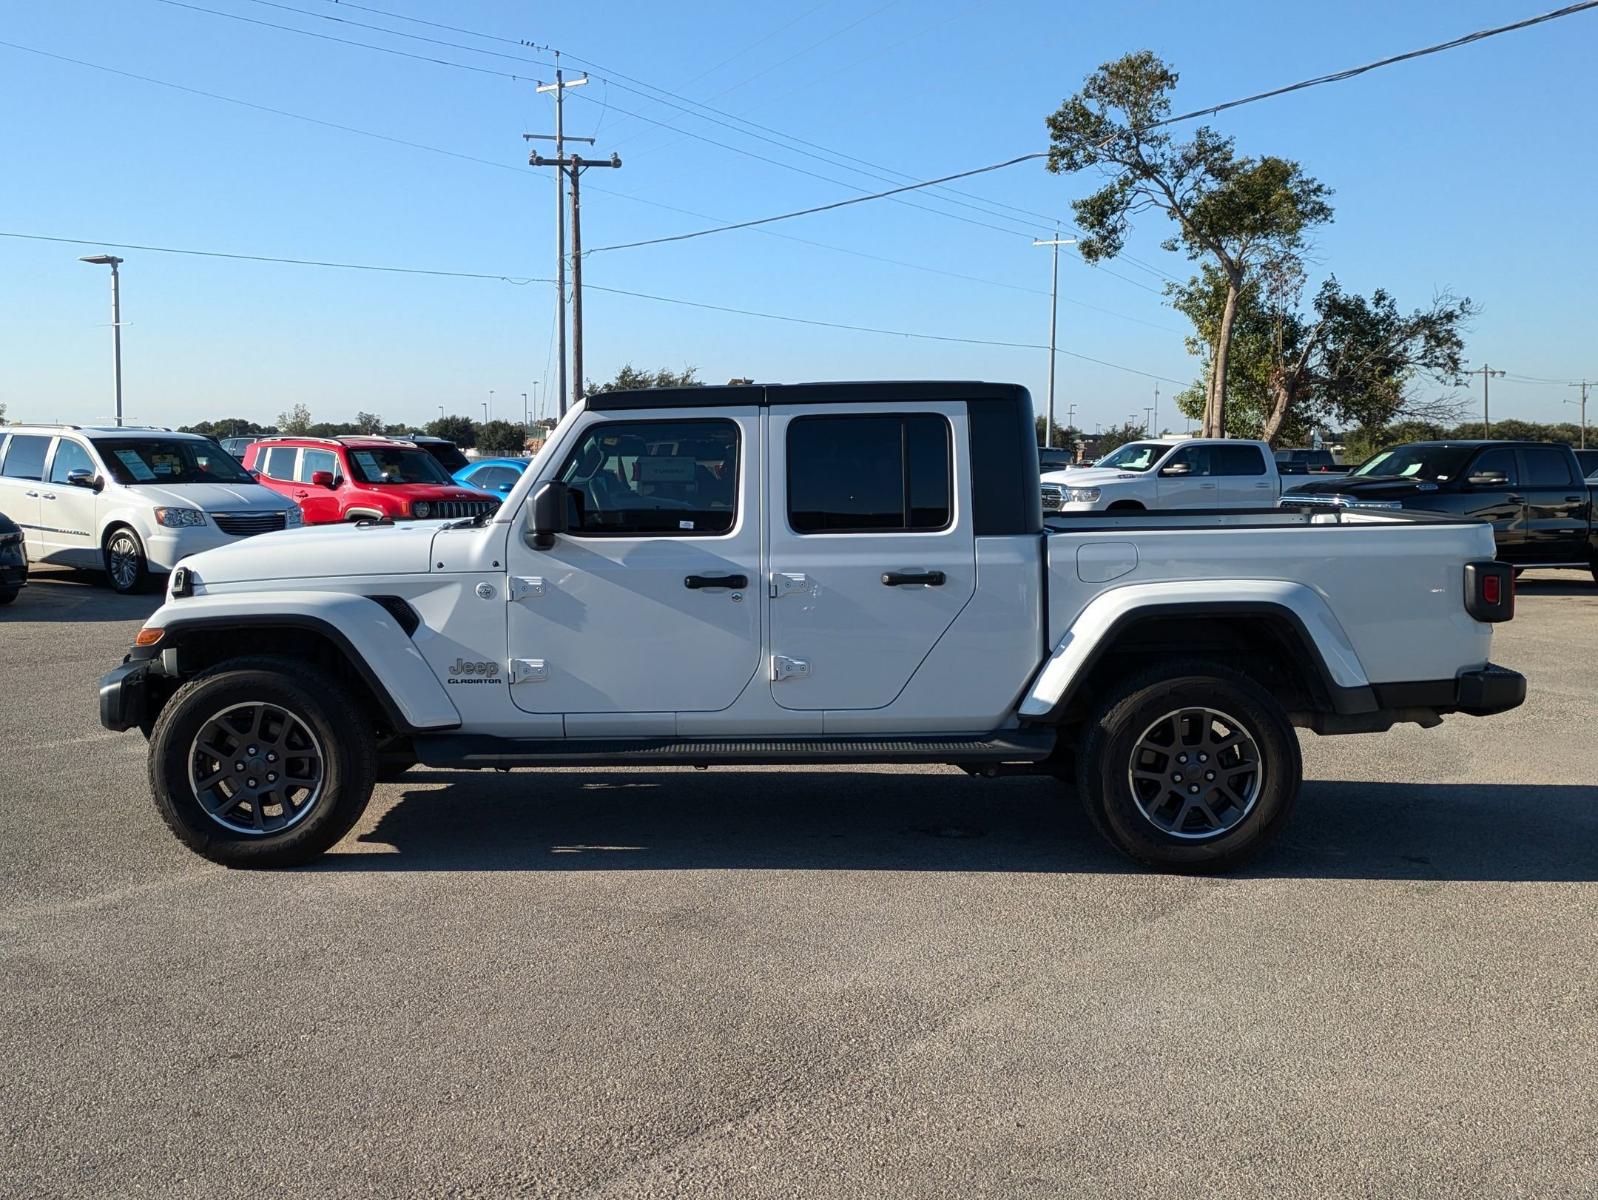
(21, 471)
(1243, 478)
(1556, 505)
(871, 546)
(1196, 487)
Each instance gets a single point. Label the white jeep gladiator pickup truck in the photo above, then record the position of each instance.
(805, 574)
(1168, 473)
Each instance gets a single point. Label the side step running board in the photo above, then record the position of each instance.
(477, 751)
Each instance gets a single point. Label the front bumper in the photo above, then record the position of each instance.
(124, 696)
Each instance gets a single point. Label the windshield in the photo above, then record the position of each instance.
(1436, 464)
(397, 464)
(1134, 456)
(169, 460)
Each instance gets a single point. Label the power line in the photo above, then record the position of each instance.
(524, 280)
(1351, 72)
(805, 212)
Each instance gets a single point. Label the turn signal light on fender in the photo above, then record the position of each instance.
(148, 636)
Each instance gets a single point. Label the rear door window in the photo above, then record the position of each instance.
(25, 456)
(1545, 466)
(1237, 460)
(870, 474)
(278, 462)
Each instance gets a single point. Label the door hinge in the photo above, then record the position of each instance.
(523, 587)
(528, 670)
(785, 583)
(783, 667)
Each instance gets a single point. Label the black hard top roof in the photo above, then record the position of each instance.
(1486, 442)
(765, 394)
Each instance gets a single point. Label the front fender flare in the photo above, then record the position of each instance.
(1094, 629)
(377, 648)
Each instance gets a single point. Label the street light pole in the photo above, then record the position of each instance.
(112, 261)
(1054, 315)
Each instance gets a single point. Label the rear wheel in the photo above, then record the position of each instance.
(7, 595)
(1126, 506)
(1190, 766)
(261, 762)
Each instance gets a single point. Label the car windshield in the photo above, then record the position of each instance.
(1134, 456)
(1436, 464)
(395, 464)
(169, 460)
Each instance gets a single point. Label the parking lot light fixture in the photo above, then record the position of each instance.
(112, 261)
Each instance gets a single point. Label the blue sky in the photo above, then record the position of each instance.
(1470, 171)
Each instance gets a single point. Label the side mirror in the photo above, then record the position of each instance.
(322, 479)
(548, 516)
(83, 478)
(1489, 479)
(1176, 469)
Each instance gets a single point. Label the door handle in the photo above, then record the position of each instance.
(1574, 499)
(1209, 486)
(905, 578)
(716, 581)
(301, 495)
(1516, 499)
(49, 495)
(35, 495)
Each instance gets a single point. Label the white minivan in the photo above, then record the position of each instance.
(131, 502)
(1169, 473)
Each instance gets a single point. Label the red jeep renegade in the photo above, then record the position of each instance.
(357, 478)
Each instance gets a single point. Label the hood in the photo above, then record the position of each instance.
(213, 497)
(1365, 487)
(320, 551)
(1093, 476)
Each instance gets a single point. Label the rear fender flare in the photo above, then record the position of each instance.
(1095, 628)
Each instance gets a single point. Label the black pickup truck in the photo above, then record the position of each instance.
(1540, 506)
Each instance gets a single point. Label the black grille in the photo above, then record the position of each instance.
(464, 508)
(244, 524)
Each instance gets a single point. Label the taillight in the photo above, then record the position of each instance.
(1490, 591)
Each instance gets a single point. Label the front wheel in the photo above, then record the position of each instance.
(262, 762)
(7, 595)
(125, 564)
(1189, 766)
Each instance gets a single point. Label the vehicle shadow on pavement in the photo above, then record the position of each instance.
(1531, 585)
(62, 596)
(821, 820)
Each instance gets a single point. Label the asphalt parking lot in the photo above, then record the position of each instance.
(806, 983)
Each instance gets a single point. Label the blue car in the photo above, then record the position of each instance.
(497, 475)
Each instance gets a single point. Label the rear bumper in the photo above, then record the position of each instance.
(1480, 693)
(124, 696)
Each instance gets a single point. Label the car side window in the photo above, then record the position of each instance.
(657, 478)
(69, 456)
(1237, 460)
(493, 478)
(312, 461)
(1500, 460)
(278, 463)
(1197, 459)
(25, 456)
(1546, 467)
(870, 474)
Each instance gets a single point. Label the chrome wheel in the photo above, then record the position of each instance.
(1195, 773)
(256, 768)
(124, 560)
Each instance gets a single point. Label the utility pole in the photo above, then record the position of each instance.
(1155, 411)
(1583, 386)
(112, 261)
(559, 87)
(1486, 373)
(489, 410)
(1054, 316)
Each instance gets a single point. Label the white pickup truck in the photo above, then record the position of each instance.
(1169, 473)
(806, 574)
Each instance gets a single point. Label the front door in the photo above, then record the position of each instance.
(67, 510)
(1501, 502)
(319, 503)
(1194, 487)
(650, 601)
(872, 554)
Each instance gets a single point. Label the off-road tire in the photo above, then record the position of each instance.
(1109, 739)
(337, 720)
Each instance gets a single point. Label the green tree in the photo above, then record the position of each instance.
(1065, 436)
(366, 422)
(460, 430)
(296, 421)
(1119, 436)
(1350, 361)
(501, 437)
(630, 378)
(1232, 213)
